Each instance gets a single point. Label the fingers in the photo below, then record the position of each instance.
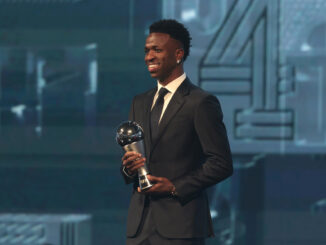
(136, 164)
(154, 179)
(157, 183)
(130, 156)
(151, 190)
(129, 153)
(161, 186)
(132, 161)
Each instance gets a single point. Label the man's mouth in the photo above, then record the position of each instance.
(153, 67)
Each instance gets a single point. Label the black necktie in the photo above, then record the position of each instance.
(157, 111)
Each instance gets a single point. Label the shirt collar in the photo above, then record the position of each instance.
(173, 85)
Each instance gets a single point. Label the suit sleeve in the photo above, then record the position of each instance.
(209, 126)
(127, 178)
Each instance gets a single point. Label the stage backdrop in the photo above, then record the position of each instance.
(69, 70)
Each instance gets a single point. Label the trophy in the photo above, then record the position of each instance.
(130, 136)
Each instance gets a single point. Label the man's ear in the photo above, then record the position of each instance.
(179, 54)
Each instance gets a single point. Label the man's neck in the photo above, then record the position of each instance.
(174, 75)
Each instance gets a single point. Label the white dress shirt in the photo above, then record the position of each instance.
(172, 87)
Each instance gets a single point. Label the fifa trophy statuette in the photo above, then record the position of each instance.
(131, 137)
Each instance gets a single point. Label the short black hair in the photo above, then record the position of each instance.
(176, 30)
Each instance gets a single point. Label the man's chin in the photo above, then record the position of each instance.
(153, 74)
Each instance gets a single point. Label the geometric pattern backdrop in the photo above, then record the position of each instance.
(273, 97)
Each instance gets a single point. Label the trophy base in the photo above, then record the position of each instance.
(144, 183)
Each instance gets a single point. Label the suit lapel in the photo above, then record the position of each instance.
(146, 120)
(174, 106)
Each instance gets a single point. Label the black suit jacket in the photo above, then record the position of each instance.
(192, 151)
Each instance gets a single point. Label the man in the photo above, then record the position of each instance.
(186, 147)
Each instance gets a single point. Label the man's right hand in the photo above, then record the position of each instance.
(132, 161)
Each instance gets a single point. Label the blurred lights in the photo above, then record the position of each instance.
(305, 47)
(188, 15)
(18, 110)
(91, 46)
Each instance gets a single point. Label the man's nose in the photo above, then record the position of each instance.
(149, 55)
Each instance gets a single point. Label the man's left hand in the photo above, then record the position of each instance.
(161, 186)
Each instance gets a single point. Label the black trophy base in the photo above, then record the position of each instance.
(144, 183)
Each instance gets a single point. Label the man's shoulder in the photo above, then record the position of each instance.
(198, 93)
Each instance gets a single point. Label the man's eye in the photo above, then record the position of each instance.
(157, 50)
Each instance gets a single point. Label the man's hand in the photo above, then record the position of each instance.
(161, 186)
(132, 161)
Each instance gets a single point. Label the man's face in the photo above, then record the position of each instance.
(161, 54)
